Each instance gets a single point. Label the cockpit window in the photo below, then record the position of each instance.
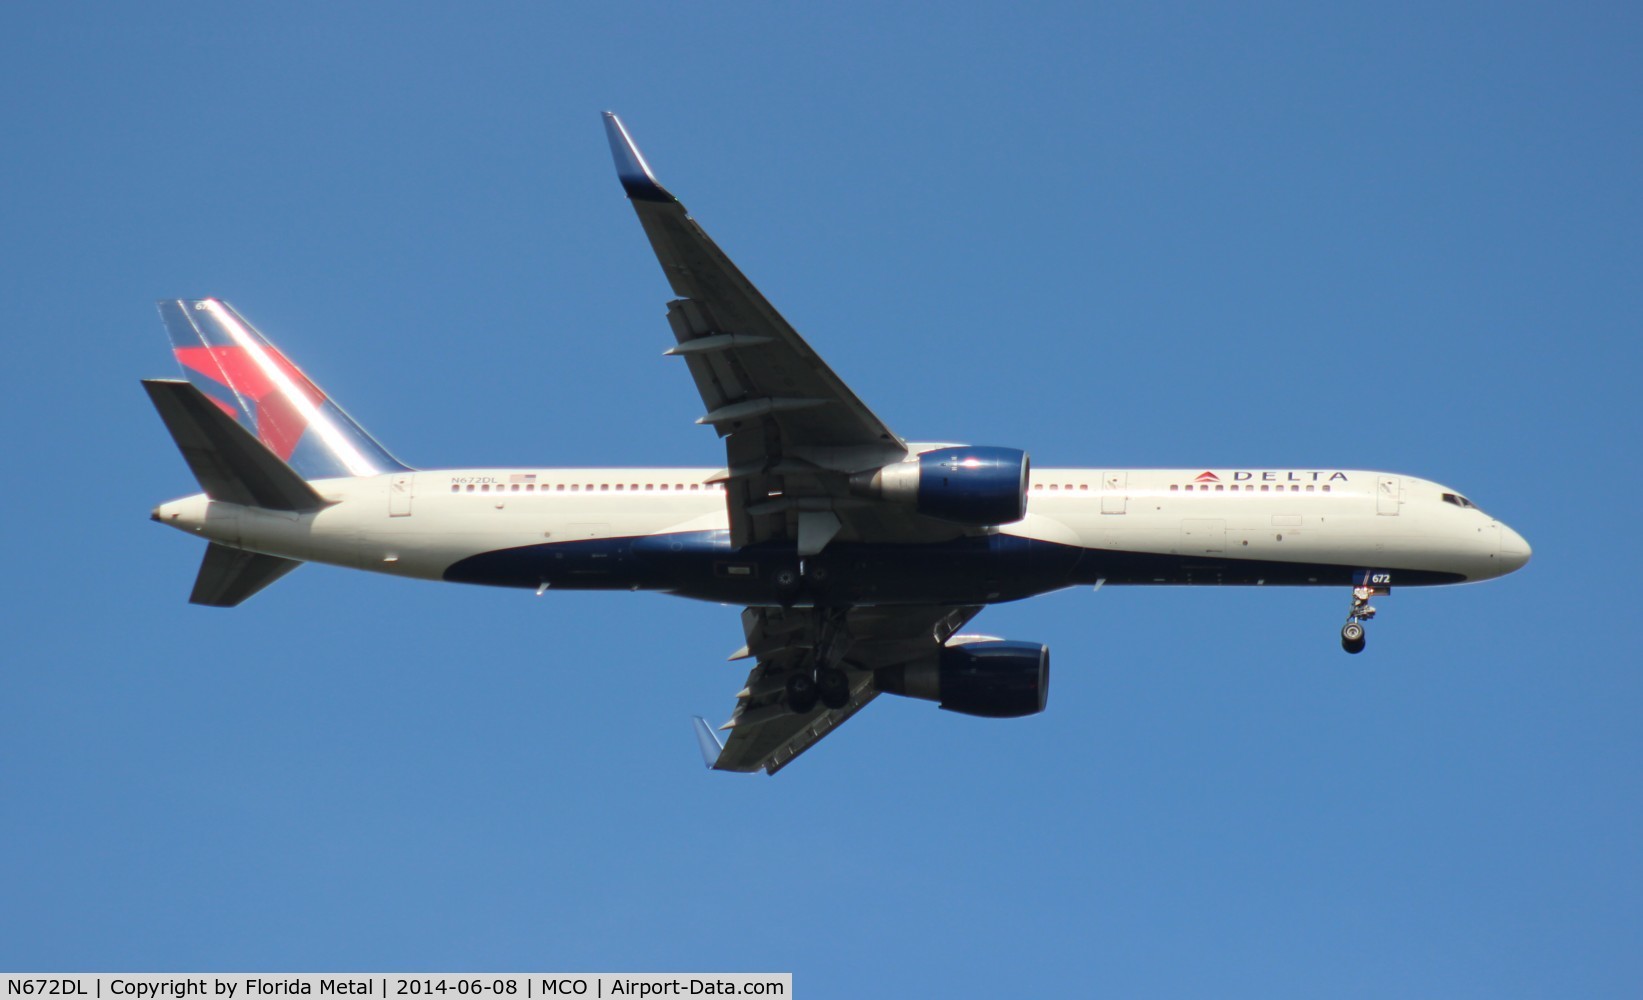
(1459, 501)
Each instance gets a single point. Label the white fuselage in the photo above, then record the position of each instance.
(518, 526)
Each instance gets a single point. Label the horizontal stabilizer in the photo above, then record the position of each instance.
(230, 464)
(229, 576)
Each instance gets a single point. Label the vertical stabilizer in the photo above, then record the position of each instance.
(250, 380)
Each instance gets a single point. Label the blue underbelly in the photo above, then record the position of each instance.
(979, 570)
(704, 565)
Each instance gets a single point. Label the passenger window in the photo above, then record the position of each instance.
(456, 488)
(1219, 487)
(1174, 486)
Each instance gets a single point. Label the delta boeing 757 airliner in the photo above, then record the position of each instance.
(859, 556)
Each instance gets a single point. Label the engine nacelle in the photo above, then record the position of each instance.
(972, 486)
(997, 679)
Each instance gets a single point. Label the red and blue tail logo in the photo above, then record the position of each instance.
(238, 369)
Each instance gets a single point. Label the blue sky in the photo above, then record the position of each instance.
(1395, 236)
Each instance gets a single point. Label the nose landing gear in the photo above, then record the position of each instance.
(1352, 633)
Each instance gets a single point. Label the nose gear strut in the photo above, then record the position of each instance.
(1352, 633)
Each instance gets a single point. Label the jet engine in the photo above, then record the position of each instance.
(994, 678)
(972, 486)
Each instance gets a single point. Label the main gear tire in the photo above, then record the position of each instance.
(801, 692)
(833, 686)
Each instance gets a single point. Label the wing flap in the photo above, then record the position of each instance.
(764, 734)
(771, 746)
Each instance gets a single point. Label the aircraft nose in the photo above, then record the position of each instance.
(1514, 551)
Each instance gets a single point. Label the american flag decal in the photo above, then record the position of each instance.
(522, 477)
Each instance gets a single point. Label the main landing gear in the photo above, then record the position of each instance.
(806, 687)
(1352, 634)
(822, 678)
(802, 692)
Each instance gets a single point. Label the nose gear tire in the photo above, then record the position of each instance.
(1352, 637)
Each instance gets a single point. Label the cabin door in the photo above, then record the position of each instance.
(1387, 495)
(400, 487)
(1114, 492)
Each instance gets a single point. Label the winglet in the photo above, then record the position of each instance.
(631, 168)
(708, 741)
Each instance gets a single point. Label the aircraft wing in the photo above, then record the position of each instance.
(764, 734)
(793, 430)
